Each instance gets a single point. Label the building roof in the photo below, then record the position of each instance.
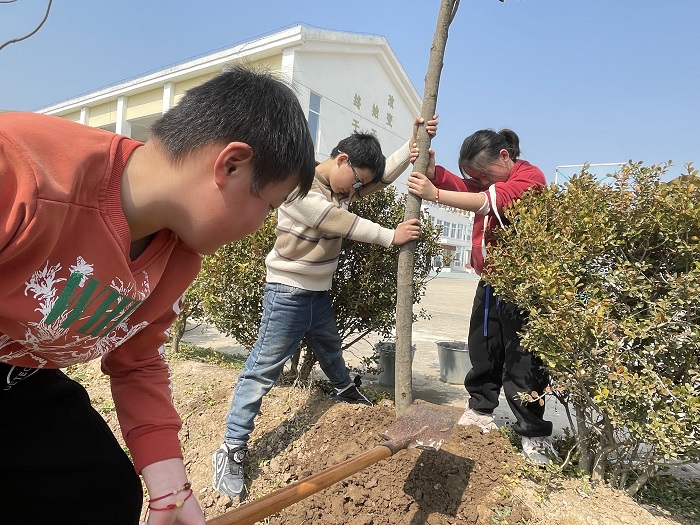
(297, 37)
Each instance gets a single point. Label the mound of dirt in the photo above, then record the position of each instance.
(470, 480)
(458, 484)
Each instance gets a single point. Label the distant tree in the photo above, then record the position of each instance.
(14, 40)
(610, 276)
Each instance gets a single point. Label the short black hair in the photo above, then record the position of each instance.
(245, 105)
(364, 151)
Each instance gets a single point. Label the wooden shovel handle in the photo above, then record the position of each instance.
(260, 508)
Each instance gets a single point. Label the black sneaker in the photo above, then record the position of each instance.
(351, 394)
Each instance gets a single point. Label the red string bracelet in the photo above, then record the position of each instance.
(179, 503)
(186, 486)
(437, 196)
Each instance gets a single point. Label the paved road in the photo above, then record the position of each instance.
(448, 300)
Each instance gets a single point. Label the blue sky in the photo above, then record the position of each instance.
(595, 81)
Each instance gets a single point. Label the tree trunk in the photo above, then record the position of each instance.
(294, 362)
(640, 482)
(403, 388)
(585, 461)
(178, 330)
(307, 365)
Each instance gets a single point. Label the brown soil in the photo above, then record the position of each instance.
(470, 480)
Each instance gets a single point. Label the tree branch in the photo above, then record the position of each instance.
(14, 40)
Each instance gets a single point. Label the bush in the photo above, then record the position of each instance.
(230, 286)
(229, 289)
(610, 276)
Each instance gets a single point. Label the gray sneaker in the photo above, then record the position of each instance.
(351, 394)
(227, 463)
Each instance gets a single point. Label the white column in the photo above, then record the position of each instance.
(123, 127)
(168, 95)
(84, 115)
(287, 69)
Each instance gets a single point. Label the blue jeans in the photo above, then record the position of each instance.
(289, 315)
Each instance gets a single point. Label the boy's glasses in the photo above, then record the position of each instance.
(358, 181)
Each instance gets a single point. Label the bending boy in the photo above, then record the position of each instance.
(100, 235)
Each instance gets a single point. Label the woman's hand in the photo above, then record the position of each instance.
(420, 185)
(430, 171)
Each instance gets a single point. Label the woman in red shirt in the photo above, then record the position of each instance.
(491, 178)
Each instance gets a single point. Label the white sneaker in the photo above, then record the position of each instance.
(484, 421)
(539, 449)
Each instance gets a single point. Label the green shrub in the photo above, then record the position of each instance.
(610, 276)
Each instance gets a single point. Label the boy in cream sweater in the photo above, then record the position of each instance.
(300, 268)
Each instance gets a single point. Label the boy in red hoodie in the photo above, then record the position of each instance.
(100, 236)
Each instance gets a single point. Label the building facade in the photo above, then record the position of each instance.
(456, 237)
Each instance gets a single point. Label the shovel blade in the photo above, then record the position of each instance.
(425, 425)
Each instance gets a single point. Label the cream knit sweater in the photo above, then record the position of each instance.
(310, 231)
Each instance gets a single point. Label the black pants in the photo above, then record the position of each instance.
(59, 461)
(499, 360)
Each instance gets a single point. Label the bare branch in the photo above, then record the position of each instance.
(454, 11)
(14, 40)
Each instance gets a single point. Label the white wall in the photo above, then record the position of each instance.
(344, 80)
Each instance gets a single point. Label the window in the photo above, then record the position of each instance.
(314, 117)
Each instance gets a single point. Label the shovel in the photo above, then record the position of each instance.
(423, 425)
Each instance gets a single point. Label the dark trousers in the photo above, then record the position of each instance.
(499, 360)
(59, 461)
